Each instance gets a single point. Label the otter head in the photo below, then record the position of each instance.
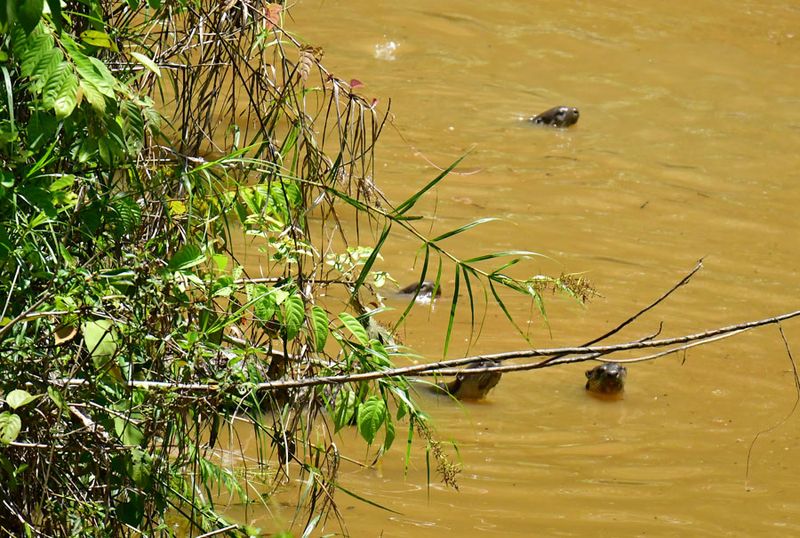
(607, 378)
(559, 116)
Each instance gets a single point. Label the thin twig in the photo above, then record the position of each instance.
(780, 423)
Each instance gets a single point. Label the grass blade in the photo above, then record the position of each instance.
(414, 198)
(462, 229)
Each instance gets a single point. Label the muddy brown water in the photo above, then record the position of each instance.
(687, 147)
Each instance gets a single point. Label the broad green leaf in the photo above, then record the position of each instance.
(29, 12)
(344, 407)
(128, 433)
(371, 416)
(186, 258)
(57, 399)
(355, 327)
(147, 63)
(319, 318)
(131, 512)
(132, 127)
(97, 38)
(101, 341)
(264, 307)
(127, 215)
(294, 310)
(10, 426)
(63, 182)
(99, 338)
(18, 397)
(55, 11)
(140, 469)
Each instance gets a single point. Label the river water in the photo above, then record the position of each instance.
(687, 148)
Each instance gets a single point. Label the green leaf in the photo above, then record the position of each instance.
(186, 258)
(344, 408)
(147, 63)
(264, 306)
(66, 97)
(452, 317)
(57, 399)
(18, 397)
(319, 319)
(63, 182)
(55, 11)
(131, 512)
(97, 38)
(132, 126)
(100, 342)
(140, 468)
(390, 433)
(503, 254)
(128, 433)
(10, 426)
(372, 257)
(355, 327)
(463, 229)
(294, 310)
(29, 12)
(414, 198)
(371, 415)
(127, 215)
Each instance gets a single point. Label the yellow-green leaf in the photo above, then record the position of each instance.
(98, 39)
(18, 397)
(10, 426)
(147, 63)
(355, 327)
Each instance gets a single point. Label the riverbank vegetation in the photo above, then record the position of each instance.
(141, 142)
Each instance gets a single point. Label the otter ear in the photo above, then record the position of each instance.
(588, 373)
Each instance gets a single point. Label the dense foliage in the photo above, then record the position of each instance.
(139, 143)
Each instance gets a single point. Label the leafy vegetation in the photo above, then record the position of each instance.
(140, 142)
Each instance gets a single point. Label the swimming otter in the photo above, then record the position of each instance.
(607, 378)
(423, 291)
(559, 116)
(475, 386)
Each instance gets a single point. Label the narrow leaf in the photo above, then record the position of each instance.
(414, 198)
(452, 317)
(462, 229)
(372, 257)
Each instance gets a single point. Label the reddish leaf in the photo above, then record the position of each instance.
(355, 84)
(273, 15)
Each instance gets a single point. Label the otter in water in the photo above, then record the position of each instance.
(607, 378)
(472, 386)
(559, 116)
(423, 291)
